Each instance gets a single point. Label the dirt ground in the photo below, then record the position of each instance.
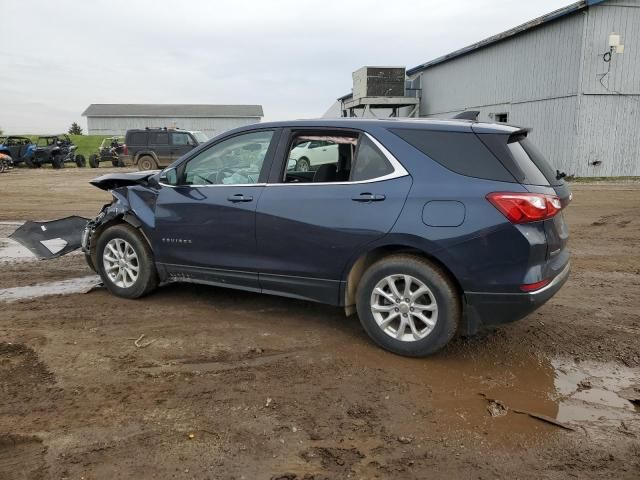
(242, 386)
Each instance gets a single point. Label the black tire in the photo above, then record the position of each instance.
(3, 166)
(93, 161)
(57, 162)
(81, 162)
(120, 163)
(114, 162)
(444, 292)
(303, 165)
(147, 162)
(147, 279)
(30, 162)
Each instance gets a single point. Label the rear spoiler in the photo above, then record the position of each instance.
(519, 135)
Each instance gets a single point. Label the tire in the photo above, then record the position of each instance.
(93, 161)
(3, 166)
(147, 162)
(120, 163)
(303, 165)
(127, 286)
(30, 162)
(57, 162)
(81, 162)
(441, 291)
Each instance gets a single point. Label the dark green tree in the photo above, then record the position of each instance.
(75, 129)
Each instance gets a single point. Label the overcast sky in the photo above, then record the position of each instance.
(293, 57)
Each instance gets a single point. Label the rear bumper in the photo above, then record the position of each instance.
(485, 309)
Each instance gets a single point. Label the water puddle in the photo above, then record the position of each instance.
(62, 287)
(498, 393)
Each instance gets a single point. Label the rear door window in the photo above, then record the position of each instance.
(159, 139)
(370, 163)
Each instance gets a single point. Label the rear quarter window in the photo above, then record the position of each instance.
(460, 152)
(138, 138)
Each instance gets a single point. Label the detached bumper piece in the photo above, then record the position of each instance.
(53, 239)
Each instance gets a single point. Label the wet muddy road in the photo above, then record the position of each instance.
(227, 384)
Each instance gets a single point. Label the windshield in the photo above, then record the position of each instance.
(200, 137)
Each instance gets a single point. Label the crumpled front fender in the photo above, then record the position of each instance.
(132, 205)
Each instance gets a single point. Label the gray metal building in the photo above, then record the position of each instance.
(116, 119)
(552, 74)
(557, 74)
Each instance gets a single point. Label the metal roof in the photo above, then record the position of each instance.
(171, 110)
(536, 22)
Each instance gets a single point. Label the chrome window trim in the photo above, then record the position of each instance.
(398, 172)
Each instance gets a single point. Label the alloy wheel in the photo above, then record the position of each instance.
(404, 307)
(121, 263)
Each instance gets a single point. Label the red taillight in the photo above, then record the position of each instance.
(525, 207)
(126, 150)
(531, 287)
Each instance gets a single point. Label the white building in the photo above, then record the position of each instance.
(116, 119)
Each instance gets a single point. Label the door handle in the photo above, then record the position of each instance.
(238, 197)
(369, 197)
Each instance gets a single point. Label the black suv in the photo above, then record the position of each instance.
(151, 148)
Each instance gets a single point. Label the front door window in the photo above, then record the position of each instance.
(237, 160)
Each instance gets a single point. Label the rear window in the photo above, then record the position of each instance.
(461, 152)
(525, 162)
(540, 161)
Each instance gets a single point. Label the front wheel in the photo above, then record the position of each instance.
(303, 165)
(81, 162)
(408, 305)
(125, 262)
(93, 161)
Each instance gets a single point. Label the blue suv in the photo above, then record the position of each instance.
(424, 228)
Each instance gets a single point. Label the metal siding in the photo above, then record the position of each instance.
(608, 133)
(119, 125)
(547, 79)
(625, 68)
(609, 122)
(540, 63)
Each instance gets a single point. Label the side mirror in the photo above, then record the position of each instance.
(292, 164)
(169, 176)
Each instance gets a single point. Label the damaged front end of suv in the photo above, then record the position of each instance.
(133, 203)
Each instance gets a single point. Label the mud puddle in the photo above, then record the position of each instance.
(592, 391)
(497, 394)
(62, 287)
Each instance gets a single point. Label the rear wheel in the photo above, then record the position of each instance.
(57, 161)
(125, 262)
(81, 161)
(30, 162)
(147, 162)
(93, 161)
(3, 165)
(408, 306)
